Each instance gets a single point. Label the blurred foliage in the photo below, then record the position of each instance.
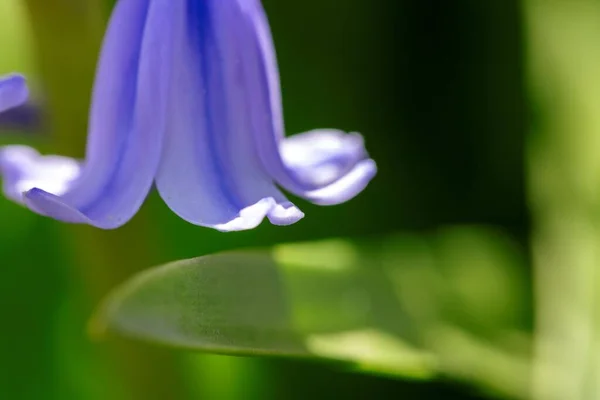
(564, 172)
(333, 300)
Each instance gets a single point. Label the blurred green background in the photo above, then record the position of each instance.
(482, 118)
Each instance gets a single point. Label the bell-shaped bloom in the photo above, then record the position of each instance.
(13, 92)
(187, 97)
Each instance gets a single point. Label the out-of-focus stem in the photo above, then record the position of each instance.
(68, 35)
(564, 189)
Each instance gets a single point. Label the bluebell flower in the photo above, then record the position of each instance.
(13, 91)
(187, 97)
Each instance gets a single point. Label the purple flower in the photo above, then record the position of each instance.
(187, 97)
(13, 91)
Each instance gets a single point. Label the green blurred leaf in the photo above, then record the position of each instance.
(470, 276)
(263, 303)
(408, 306)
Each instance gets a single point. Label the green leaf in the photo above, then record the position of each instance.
(408, 306)
(280, 303)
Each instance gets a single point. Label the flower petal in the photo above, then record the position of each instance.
(307, 164)
(13, 91)
(210, 173)
(323, 156)
(23, 168)
(127, 126)
(346, 187)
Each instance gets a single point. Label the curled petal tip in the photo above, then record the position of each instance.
(48, 204)
(252, 216)
(51, 205)
(320, 157)
(346, 187)
(249, 217)
(285, 214)
(325, 166)
(13, 91)
(23, 169)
